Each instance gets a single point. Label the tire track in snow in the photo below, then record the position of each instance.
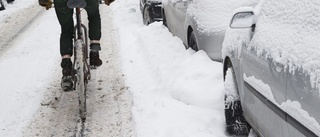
(108, 100)
(110, 114)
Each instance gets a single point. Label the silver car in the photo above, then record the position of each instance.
(271, 58)
(200, 28)
(185, 27)
(151, 11)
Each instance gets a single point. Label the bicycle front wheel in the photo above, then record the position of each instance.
(81, 84)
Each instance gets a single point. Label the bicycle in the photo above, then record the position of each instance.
(81, 66)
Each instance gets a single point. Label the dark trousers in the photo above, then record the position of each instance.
(1, 5)
(65, 17)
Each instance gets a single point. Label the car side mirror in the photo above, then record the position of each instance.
(243, 19)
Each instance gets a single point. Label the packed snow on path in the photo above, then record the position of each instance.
(175, 92)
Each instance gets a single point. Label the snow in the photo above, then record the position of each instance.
(214, 15)
(21, 79)
(172, 94)
(294, 108)
(175, 92)
(260, 86)
(291, 36)
(230, 88)
(14, 18)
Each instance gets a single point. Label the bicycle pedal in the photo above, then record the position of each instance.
(93, 67)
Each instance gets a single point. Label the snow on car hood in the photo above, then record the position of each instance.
(214, 15)
(290, 34)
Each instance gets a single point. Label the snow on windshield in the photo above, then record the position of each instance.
(290, 34)
(215, 15)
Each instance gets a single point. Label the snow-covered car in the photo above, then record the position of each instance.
(151, 11)
(201, 24)
(271, 66)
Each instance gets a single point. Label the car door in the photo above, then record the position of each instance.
(264, 91)
(170, 15)
(303, 105)
(180, 8)
(141, 5)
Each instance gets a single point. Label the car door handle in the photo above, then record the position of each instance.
(278, 67)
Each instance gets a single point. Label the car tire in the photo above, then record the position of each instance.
(192, 41)
(164, 19)
(236, 124)
(146, 16)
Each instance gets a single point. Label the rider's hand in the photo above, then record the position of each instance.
(46, 3)
(108, 2)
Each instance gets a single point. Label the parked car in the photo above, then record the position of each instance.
(151, 11)
(201, 24)
(271, 68)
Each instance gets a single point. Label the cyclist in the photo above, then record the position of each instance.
(65, 18)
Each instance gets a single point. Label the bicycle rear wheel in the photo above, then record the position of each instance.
(81, 81)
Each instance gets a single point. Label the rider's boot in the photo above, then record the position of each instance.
(95, 60)
(66, 81)
(2, 6)
(10, 1)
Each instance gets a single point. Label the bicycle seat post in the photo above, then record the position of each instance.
(78, 17)
(77, 4)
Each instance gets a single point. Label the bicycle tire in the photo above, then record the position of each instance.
(81, 82)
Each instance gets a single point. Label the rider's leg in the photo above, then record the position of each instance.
(66, 81)
(2, 6)
(10, 1)
(64, 15)
(92, 9)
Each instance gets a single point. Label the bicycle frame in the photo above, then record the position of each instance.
(80, 34)
(80, 62)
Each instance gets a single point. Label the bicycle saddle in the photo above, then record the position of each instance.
(76, 4)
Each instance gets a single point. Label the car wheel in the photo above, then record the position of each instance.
(235, 122)
(192, 42)
(146, 16)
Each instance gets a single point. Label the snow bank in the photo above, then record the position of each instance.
(176, 92)
(15, 17)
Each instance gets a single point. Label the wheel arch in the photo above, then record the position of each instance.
(226, 64)
(190, 29)
(189, 32)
